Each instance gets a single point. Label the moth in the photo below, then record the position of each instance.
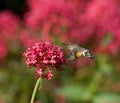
(77, 51)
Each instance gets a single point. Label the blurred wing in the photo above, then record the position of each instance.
(75, 47)
(71, 56)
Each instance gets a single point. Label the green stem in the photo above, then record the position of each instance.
(95, 82)
(37, 85)
(94, 85)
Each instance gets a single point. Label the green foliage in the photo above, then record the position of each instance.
(107, 97)
(73, 93)
(92, 83)
(107, 39)
(17, 82)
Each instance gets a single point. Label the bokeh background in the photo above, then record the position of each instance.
(93, 24)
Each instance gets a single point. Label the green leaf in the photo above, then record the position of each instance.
(105, 65)
(107, 98)
(73, 93)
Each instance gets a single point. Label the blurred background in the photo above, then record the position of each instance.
(93, 24)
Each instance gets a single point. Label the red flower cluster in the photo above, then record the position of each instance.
(44, 56)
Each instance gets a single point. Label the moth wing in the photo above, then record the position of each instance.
(71, 56)
(75, 47)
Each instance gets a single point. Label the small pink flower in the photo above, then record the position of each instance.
(49, 75)
(44, 56)
(39, 72)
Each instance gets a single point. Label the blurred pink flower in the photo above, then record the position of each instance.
(60, 99)
(1, 101)
(105, 17)
(114, 46)
(8, 24)
(28, 38)
(101, 50)
(116, 87)
(61, 18)
(77, 21)
(81, 62)
(44, 56)
(40, 9)
(3, 49)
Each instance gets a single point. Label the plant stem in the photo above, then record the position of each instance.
(37, 85)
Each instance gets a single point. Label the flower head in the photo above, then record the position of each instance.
(44, 56)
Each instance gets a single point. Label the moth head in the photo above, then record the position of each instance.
(87, 53)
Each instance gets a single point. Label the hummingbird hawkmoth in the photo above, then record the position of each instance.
(77, 51)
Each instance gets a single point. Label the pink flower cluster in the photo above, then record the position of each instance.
(77, 21)
(8, 27)
(28, 38)
(13, 31)
(105, 17)
(61, 18)
(9, 24)
(44, 56)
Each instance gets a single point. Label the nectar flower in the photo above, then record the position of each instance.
(44, 56)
